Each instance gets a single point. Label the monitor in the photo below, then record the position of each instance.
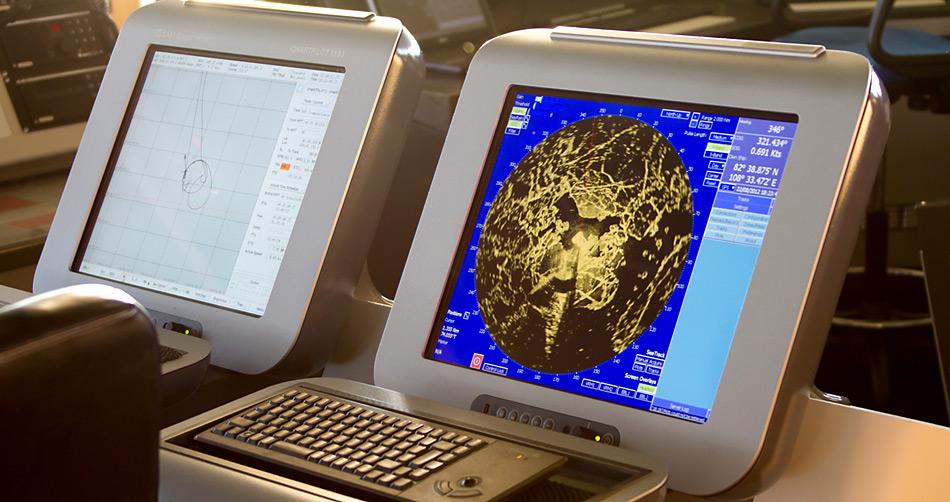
(228, 180)
(641, 237)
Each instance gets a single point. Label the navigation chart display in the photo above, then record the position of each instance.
(214, 160)
(611, 247)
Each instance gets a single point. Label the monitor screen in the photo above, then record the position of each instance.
(207, 176)
(610, 246)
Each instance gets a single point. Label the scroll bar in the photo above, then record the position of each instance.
(570, 33)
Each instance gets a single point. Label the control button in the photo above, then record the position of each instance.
(583, 432)
(513, 415)
(536, 420)
(608, 439)
(548, 424)
(525, 417)
(501, 412)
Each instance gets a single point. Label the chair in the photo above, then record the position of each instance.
(79, 397)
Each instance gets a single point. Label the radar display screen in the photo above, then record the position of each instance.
(611, 246)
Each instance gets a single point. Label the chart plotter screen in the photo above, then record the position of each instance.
(208, 174)
(611, 246)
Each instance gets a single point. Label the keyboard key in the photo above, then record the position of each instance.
(379, 450)
(323, 402)
(425, 458)
(443, 445)
(353, 443)
(358, 455)
(387, 479)
(291, 393)
(244, 436)
(345, 408)
(391, 454)
(372, 459)
(402, 423)
(434, 465)
(401, 484)
(403, 445)
(424, 430)
(417, 449)
(339, 463)
(362, 469)
(389, 421)
(388, 465)
(281, 434)
(415, 426)
(253, 414)
(291, 449)
(317, 456)
(461, 450)
(264, 407)
(333, 448)
(350, 420)
(264, 443)
(402, 471)
(448, 436)
(389, 443)
(352, 466)
(307, 441)
(403, 434)
(332, 405)
(293, 438)
(363, 435)
(257, 427)
(415, 438)
(319, 445)
(462, 439)
(405, 457)
(256, 438)
(447, 457)
(233, 431)
(373, 475)
(419, 474)
(328, 459)
(429, 441)
(277, 422)
(436, 433)
(270, 430)
(221, 428)
(476, 443)
(266, 419)
(345, 452)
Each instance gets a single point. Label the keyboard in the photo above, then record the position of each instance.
(167, 354)
(378, 450)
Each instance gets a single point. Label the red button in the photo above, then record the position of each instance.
(55, 27)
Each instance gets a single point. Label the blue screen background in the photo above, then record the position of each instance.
(734, 163)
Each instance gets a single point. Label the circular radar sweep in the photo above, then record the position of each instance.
(583, 244)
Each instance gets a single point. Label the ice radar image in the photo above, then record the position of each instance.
(584, 244)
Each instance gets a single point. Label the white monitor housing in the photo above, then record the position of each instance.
(232, 173)
(640, 238)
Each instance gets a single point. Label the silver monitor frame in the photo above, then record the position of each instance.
(843, 123)
(327, 248)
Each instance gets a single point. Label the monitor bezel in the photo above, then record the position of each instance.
(828, 92)
(366, 50)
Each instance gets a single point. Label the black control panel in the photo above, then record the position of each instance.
(546, 419)
(53, 54)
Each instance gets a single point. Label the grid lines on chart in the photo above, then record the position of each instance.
(188, 176)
